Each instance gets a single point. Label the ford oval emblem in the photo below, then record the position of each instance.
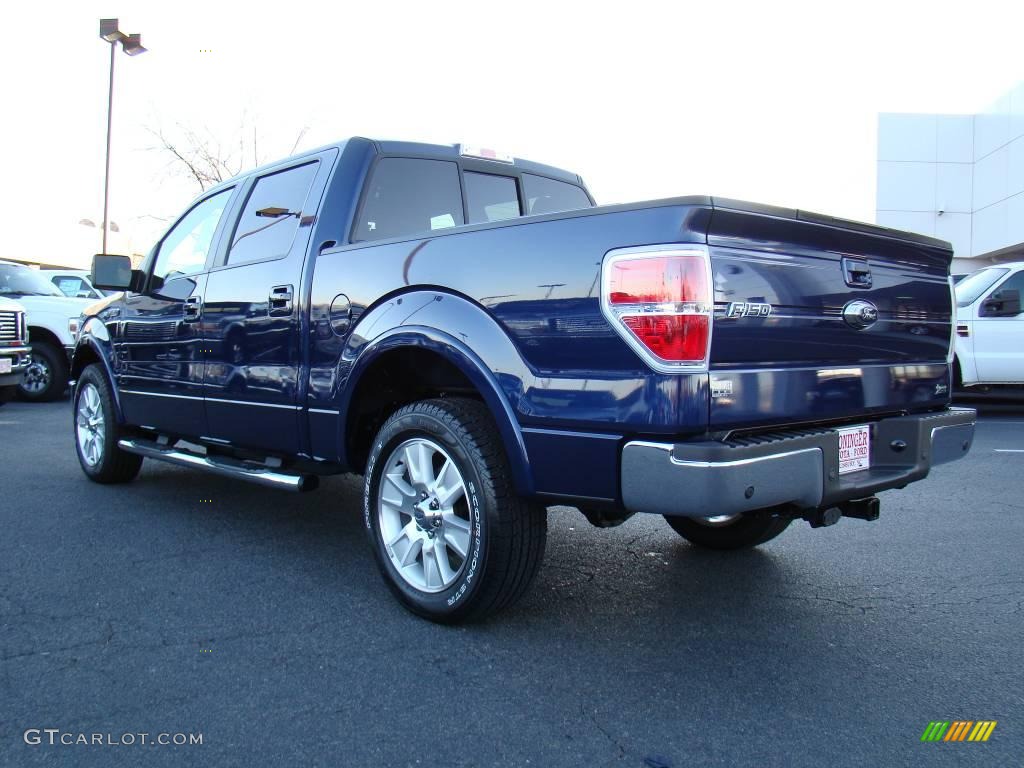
(860, 314)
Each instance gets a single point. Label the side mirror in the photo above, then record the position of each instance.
(1005, 303)
(115, 273)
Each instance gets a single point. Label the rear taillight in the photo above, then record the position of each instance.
(658, 298)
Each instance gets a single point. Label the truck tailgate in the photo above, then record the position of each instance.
(859, 317)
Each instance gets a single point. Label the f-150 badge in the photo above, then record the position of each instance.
(748, 309)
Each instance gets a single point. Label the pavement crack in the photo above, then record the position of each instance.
(818, 598)
(592, 717)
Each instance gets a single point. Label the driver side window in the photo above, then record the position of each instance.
(1013, 283)
(184, 249)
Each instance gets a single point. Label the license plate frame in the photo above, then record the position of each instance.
(854, 449)
(6, 365)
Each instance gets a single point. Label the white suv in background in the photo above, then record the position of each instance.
(52, 324)
(990, 327)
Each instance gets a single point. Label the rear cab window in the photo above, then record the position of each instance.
(545, 195)
(410, 196)
(272, 214)
(490, 197)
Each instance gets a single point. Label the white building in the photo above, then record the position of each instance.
(957, 177)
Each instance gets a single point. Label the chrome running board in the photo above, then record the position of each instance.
(221, 465)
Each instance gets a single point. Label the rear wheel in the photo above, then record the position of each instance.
(729, 531)
(46, 377)
(96, 431)
(450, 536)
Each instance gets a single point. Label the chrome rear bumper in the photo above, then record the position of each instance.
(798, 468)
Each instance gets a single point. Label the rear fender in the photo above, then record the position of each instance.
(464, 335)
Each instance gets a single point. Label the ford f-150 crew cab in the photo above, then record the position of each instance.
(479, 341)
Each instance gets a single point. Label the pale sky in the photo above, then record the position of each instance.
(775, 102)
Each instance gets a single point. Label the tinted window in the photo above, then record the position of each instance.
(976, 283)
(281, 197)
(184, 249)
(550, 196)
(1012, 283)
(72, 286)
(491, 198)
(406, 197)
(16, 280)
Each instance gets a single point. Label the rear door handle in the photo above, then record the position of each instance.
(193, 309)
(280, 301)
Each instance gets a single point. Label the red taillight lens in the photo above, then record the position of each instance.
(671, 337)
(658, 280)
(660, 302)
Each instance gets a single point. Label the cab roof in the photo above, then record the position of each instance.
(412, 149)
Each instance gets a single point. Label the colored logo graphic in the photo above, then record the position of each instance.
(958, 730)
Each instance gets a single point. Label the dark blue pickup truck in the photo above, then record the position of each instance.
(475, 337)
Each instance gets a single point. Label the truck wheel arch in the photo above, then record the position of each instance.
(38, 334)
(453, 368)
(89, 350)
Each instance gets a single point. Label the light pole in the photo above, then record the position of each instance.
(132, 45)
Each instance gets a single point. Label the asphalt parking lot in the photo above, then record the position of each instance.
(195, 604)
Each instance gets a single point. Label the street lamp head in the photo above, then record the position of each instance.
(109, 30)
(132, 45)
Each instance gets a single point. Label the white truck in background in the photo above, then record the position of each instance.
(990, 328)
(73, 282)
(52, 320)
(14, 350)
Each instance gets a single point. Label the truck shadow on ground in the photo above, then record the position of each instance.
(638, 573)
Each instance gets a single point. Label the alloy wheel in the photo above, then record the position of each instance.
(424, 515)
(89, 425)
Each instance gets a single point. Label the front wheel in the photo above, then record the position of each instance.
(96, 431)
(450, 536)
(729, 531)
(46, 377)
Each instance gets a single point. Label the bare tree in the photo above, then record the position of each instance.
(206, 158)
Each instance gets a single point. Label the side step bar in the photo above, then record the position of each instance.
(221, 465)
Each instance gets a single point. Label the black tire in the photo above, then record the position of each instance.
(113, 465)
(47, 375)
(744, 532)
(8, 393)
(507, 534)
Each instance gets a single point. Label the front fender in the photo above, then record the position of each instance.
(57, 324)
(94, 346)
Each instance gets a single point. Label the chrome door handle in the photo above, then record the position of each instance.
(193, 308)
(280, 301)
